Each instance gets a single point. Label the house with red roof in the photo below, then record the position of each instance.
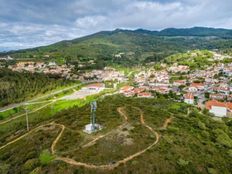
(194, 87)
(127, 91)
(145, 95)
(219, 109)
(179, 82)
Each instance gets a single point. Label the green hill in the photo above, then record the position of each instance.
(188, 143)
(136, 47)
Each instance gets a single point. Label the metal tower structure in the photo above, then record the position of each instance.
(93, 115)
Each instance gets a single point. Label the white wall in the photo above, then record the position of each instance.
(219, 111)
(189, 101)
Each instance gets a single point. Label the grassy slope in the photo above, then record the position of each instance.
(191, 144)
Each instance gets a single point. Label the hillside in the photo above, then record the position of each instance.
(16, 87)
(127, 47)
(138, 136)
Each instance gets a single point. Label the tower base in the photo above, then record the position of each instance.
(90, 128)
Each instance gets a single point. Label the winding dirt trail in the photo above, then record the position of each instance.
(166, 123)
(57, 138)
(26, 134)
(70, 161)
(123, 161)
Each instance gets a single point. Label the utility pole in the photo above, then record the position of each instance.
(52, 106)
(27, 120)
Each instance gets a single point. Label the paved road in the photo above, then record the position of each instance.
(11, 106)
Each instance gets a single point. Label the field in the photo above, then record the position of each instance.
(138, 136)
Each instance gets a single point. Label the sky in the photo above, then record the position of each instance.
(31, 23)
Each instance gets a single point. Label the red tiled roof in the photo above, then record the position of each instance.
(197, 85)
(209, 104)
(147, 94)
(139, 90)
(189, 96)
(96, 85)
(127, 88)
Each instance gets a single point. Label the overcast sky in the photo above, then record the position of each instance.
(30, 23)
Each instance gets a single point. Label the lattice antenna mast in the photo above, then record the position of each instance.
(93, 114)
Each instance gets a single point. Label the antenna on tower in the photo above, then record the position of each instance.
(93, 126)
(93, 114)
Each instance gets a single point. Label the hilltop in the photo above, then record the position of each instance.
(139, 136)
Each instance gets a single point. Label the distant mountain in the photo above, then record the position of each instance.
(135, 46)
(196, 31)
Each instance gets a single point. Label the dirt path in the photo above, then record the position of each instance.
(26, 134)
(92, 166)
(123, 161)
(166, 123)
(57, 138)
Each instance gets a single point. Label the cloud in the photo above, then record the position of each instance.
(89, 22)
(27, 23)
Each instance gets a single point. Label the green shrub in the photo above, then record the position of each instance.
(173, 129)
(45, 157)
(211, 170)
(4, 168)
(30, 164)
(230, 153)
(201, 125)
(182, 162)
(36, 171)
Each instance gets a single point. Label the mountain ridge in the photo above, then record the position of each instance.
(138, 46)
(193, 31)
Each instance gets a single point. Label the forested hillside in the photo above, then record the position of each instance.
(16, 87)
(126, 47)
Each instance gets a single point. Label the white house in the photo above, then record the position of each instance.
(219, 109)
(189, 98)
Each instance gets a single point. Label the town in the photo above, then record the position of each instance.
(207, 88)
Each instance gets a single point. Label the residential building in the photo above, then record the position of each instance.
(189, 98)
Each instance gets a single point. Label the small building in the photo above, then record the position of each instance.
(194, 87)
(139, 90)
(179, 82)
(126, 89)
(145, 95)
(219, 109)
(96, 86)
(189, 98)
(217, 96)
(91, 128)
